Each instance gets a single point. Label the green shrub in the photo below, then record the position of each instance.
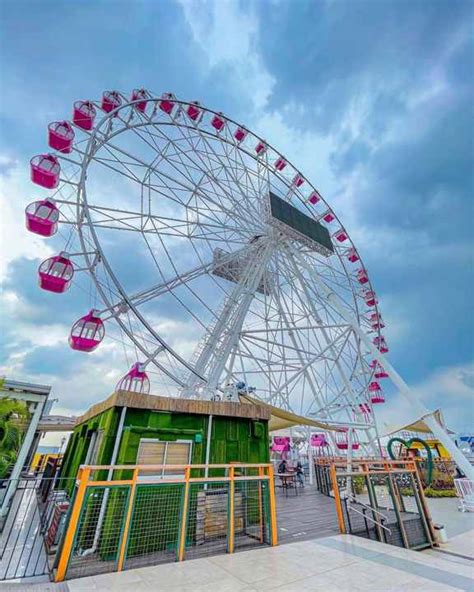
(430, 492)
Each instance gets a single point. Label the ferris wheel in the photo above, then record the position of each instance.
(214, 260)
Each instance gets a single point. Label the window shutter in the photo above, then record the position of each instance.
(178, 453)
(151, 453)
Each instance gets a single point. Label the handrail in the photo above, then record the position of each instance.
(369, 518)
(351, 497)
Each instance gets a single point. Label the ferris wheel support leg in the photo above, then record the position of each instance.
(428, 417)
(350, 396)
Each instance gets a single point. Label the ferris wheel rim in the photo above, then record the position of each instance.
(84, 205)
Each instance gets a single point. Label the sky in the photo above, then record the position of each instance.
(372, 99)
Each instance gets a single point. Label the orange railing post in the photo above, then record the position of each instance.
(260, 501)
(273, 520)
(337, 498)
(83, 478)
(128, 518)
(231, 533)
(184, 515)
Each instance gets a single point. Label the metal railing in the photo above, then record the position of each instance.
(151, 514)
(389, 482)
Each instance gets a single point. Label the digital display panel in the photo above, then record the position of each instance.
(292, 217)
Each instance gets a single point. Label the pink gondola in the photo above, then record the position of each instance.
(319, 441)
(342, 440)
(137, 95)
(55, 273)
(193, 111)
(260, 148)
(218, 122)
(167, 103)
(376, 321)
(328, 217)
(362, 276)
(45, 170)
(240, 134)
(380, 372)
(42, 217)
(136, 380)
(298, 180)
(281, 444)
(374, 387)
(314, 198)
(111, 100)
(365, 409)
(377, 399)
(87, 332)
(370, 298)
(380, 344)
(352, 255)
(280, 163)
(340, 235)
(84, 114)
(60, 136)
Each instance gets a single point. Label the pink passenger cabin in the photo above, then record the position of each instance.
(240, 134)
(45, 170)
(140, 94)
(314, 198)
(111, 100)
(376, 321)
(60, 136)
(218, 122)
(298, 180)
(87, 333)
(136, 380)
(319, 441)
(42, 217)
(55, 273)
(194, 111)
(328, 217)
(380, 344)
(280, 163)
(167, 103)
(260, 148)
(84, 114)
(370, 297)
(362, 276)
(340, 235)
(342, 440)
(352, 255)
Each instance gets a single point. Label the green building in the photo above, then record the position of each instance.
(132, 428)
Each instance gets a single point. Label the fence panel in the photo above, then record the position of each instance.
(145, 520)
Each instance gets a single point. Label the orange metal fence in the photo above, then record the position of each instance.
(149, 514)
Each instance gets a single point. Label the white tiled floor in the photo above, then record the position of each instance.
(339, 564)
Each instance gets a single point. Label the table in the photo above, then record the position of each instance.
(288, 480)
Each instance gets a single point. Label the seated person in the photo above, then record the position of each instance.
(282, 467)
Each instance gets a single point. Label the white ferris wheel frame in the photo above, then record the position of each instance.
(216, 354)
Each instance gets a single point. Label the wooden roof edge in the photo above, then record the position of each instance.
(178, 405)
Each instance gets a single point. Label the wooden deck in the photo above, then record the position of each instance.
(309, 515)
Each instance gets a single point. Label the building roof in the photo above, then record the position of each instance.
(177, 405)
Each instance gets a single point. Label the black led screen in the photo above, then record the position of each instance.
(289, 215)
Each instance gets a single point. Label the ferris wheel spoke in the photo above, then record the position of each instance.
(349, 394)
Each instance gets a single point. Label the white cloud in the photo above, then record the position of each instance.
(15, 193)
(227, 35)
(450, 388)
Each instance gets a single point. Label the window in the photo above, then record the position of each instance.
(160, 452)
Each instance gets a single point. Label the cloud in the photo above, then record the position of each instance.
(449, 388)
